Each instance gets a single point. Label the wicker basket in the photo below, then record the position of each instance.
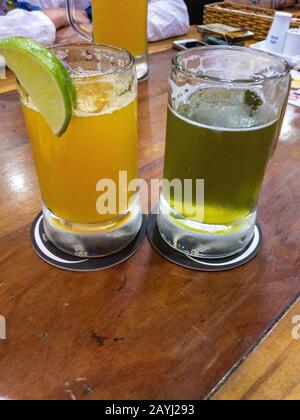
(257, 19)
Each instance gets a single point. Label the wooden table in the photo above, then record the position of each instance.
(271, 372)
(146, 329)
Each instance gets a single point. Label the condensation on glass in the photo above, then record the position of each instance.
(100, 141)
(226, 106)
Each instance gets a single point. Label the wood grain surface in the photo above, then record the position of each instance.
(146, 329)
(9, 83)
(271, 372)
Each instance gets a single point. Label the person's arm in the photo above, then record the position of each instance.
(167, 18)
(59, 17)
(39, 25)
(35, 25)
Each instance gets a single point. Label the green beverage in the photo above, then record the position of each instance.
(225, 137)
(226, 107)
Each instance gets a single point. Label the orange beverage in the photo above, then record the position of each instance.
(99, 143)
(121, 23)
(70, 167)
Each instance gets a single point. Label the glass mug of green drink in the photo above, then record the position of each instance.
(119, 23)
(226, 107)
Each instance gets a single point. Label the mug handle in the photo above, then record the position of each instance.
(80, 29)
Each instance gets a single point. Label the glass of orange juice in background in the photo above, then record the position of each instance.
(100, 141)
(122, 23)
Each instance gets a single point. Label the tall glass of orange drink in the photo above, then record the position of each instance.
(121, 23)
(100, 142)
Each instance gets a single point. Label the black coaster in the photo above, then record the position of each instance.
(53, 256)
(199, 264)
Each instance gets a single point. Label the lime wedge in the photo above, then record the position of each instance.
(44, 78)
